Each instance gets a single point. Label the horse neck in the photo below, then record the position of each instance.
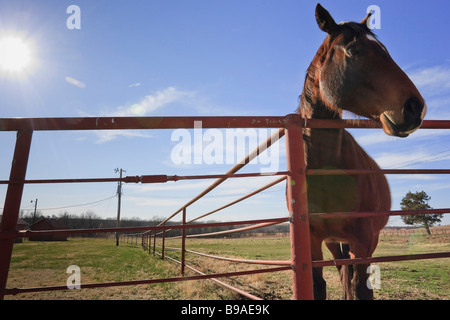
(322, 146)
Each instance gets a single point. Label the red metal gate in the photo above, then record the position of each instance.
(300, 263)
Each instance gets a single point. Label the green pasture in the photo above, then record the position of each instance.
(100, 260)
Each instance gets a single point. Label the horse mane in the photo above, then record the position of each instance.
(309, 103)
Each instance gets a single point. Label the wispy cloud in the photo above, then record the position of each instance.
(143, 107)
(75, 82)
(109, 135)
(187, 102)
(154, 101)
(137, 84)
(433, 80)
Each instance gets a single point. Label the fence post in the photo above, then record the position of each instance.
(13, 198)
(163, 242)
(149, 242)
(298, 211)
(183, 242)
(154, 244)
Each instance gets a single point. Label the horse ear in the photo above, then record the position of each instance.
(325, 20)
(364, 21)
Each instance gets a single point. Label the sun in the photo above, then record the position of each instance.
(15, 54)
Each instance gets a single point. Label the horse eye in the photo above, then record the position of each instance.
(351, 51)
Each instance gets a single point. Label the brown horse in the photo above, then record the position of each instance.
(352, 71)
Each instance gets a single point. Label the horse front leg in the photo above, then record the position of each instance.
(341, 251)
(361, 273)
(320, 285)
(359, 282)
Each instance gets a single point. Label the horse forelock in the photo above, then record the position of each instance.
(357, 28)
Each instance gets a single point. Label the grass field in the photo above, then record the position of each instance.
(45, 263)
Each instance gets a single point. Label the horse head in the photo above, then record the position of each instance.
(357, 73)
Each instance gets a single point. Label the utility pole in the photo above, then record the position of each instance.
(35, 208)
(119, 195)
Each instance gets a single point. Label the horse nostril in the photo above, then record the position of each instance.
(412, 110)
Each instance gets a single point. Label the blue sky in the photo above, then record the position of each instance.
(179, 58)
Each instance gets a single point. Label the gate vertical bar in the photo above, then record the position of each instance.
(183, 243)
(298, 211)
(12, 202)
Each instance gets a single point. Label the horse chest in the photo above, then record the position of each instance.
(336, 193)
(336, 149)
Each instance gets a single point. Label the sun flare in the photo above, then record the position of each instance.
(15, 54)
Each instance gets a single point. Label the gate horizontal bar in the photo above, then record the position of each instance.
(365, 124)
(29, 233)
(363, 214)
(15, 291)
(340, 262)
(148, 178)
(130, 123)
(250, 261)
(251, 227)
(323, 172)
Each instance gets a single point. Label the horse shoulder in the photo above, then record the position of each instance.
(354, 155)
(373, 188)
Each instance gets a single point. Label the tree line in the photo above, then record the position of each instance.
(90, 220)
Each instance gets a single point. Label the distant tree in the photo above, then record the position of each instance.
(419, 201)
(90, 219)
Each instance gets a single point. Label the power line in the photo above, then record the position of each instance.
(400, 165)
(75, 205)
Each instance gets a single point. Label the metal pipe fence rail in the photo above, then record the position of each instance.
(291, 126)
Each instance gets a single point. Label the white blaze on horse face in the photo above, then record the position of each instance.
(372, 38)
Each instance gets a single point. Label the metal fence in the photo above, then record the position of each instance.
(290, 126)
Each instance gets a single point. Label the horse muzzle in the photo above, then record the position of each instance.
(413, 113)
